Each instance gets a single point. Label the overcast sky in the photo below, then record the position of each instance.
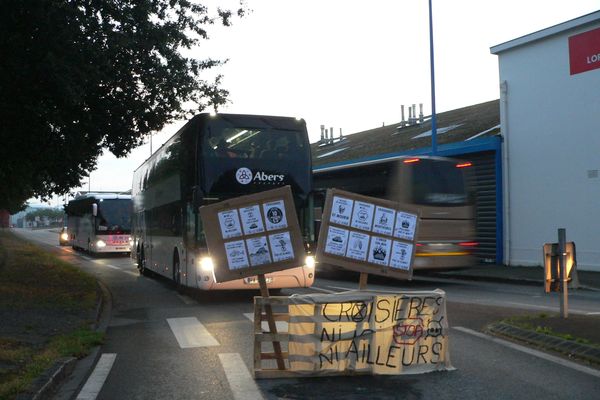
(351, 64)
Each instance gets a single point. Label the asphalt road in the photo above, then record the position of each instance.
(144, 359)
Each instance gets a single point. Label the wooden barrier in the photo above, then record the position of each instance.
(280, 340)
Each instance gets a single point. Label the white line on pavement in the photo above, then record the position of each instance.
(281, 326)
(186, 300)
(240, 381)
(322, 290)
(113, 267)
(96, 380)
(536, 353)
(189, 332)
(593, 313)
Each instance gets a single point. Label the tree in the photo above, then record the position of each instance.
(77, 76)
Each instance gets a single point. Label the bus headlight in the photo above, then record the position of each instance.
(100, 244)
(206, 264)
(64, 236)
(310, 261)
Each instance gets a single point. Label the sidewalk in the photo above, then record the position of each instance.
(529, 275)
(577, 336)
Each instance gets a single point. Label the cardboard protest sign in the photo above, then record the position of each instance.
(368, 234)
(253, 234)
(363, 332)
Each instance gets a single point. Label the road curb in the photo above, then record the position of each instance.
(569, 348)
(68, 375)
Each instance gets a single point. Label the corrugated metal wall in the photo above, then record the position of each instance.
(483, 180)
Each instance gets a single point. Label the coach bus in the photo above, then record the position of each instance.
(210, 159)
(437, 186)
(100, 222)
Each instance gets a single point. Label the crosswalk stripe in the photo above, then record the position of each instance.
(240, 381)
(186, 300)
(189, 333)
(96, 380)
(281, 326)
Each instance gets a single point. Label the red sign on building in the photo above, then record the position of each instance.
(584, 51)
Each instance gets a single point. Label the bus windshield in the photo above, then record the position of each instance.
(438, 183)
(254, 143)
(114, 216)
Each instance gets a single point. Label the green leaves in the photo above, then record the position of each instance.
(78, 76)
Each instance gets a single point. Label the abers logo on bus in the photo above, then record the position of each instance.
(245, 176)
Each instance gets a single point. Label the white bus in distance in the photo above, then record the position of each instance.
(100, 222)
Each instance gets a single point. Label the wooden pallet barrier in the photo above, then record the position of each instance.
(351, 333)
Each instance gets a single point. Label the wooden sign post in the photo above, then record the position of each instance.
(255, 235)
(264, 292)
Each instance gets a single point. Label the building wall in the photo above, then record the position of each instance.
(551, 126)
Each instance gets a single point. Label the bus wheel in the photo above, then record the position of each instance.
(177, 274)
(142, 263)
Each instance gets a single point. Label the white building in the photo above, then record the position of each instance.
(550, 122)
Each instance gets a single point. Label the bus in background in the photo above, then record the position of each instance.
(210, 159)
(436, 185)
(100, 222)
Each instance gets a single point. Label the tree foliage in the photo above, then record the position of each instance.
(78, 76)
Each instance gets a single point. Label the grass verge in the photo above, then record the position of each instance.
(47, 308)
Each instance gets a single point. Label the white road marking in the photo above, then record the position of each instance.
(535, 353)
(282, 326)
(189, 333)
(593, 313)
(96, 380)
(242, 384)
(187, 300)
(322, 290)
(113, 267)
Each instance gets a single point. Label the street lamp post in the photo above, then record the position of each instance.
(431, 62)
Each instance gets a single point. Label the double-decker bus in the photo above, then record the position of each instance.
(210, 159)
(438, 186)
(100, 222)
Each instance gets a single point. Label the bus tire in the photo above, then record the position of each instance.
(142, 263)
(177, 273)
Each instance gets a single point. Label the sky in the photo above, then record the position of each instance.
(351, 64)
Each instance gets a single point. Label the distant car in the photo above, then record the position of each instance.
(63, 237)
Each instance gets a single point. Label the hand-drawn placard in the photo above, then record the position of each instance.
(253, 234)
(368, 234)
(364, 332)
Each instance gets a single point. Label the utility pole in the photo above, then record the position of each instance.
(431, 62)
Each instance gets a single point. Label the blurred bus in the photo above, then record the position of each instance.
(436, 185)
(100, 222)
(210, 159)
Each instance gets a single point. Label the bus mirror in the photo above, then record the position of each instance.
(95, 210)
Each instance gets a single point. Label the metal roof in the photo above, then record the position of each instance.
(460, 126)
(548, 32)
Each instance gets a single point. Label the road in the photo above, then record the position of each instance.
(146, 357)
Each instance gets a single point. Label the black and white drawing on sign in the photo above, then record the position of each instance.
(337, 239)
(258, 251)
(358, 246)
(236, 255)
(401, 255)
(379, 251)
(341, 211)
(405, 225)
(251, 220)
(275, 215)
(383, 222)
(362, 216)
(281, 246)
(230, 224)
